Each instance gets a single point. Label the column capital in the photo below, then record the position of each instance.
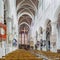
(53, 23)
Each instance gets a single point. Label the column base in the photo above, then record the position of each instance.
(58, 50)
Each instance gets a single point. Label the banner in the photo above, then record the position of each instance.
(2, 32)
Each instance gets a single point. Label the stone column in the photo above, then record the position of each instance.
(58, 37)
(53, 37)
(1, 11)
(2, 49)
(9, 34)
(44, 39)
(11, 13)
(40, 37)
(38, 40)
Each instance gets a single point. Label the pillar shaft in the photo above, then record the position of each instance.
(53, 37)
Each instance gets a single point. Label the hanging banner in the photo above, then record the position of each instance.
(2, 32)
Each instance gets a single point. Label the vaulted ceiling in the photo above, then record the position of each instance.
(25, 18)
(28, 6)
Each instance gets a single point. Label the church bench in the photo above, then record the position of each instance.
(2, 58)
(23, 58)
(48, 54)
(21, 55)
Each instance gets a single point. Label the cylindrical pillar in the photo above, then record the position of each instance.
(53, 37)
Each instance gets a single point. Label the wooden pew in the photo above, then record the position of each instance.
(21, 55)
(50, 55)
(2, 58)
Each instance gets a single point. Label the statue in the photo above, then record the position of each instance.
(48, 34)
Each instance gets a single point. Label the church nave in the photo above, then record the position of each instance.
(30, 28)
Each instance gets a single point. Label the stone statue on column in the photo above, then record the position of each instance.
(48, 34)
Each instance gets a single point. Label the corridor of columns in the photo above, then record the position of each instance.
(31, 25)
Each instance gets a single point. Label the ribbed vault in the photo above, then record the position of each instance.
(29, 6)
(25, 18)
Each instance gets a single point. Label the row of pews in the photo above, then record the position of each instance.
(21, 54)
(48, 54)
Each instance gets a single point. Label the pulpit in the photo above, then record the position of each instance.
(2, 32)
